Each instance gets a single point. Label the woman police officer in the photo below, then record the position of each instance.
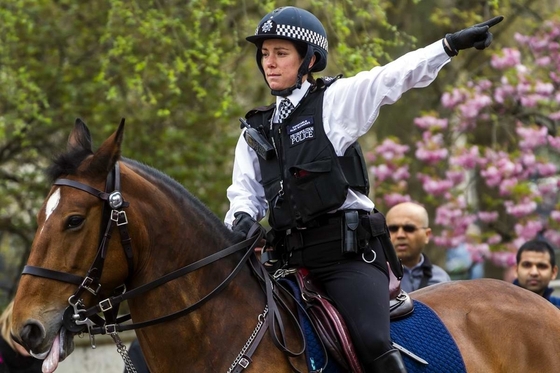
(308, 172)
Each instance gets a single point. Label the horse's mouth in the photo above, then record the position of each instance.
(62, 346)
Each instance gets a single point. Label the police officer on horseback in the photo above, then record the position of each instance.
(298, 159)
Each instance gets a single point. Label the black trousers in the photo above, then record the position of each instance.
(359, 290)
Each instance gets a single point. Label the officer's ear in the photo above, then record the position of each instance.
(554, 272)
(312, 62)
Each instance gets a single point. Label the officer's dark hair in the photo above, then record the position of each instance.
(540, 246)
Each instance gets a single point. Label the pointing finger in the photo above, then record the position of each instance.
(491, 22)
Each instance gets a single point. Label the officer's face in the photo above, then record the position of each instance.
(534, 271)
(280, 62)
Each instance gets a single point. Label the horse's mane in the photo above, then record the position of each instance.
(210, 219)
(67, 164)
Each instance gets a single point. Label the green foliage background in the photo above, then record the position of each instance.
(181, 73)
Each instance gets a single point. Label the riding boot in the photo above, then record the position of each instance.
(390, 362)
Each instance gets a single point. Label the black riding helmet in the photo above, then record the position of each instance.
(299, 26)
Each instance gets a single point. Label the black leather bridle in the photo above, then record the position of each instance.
(77, 317)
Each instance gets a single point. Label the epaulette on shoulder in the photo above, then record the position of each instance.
(259, 109)
(325, 81)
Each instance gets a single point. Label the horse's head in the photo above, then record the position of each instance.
(65, 265)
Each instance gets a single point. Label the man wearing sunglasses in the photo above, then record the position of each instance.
(410, 233)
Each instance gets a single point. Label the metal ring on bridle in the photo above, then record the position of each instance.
(369, 261)
(115, 200)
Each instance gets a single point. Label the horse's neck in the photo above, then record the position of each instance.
(173, 235)
(200, 336)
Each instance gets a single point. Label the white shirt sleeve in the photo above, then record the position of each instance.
(351, 105)
(246, 192)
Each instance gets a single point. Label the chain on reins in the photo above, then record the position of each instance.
(121, 349)
(241, 356)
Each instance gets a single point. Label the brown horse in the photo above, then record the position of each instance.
(211, 308)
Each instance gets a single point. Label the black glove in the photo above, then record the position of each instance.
(242, 224)
(478, 36)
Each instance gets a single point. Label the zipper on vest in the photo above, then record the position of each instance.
(294, 209)
(279, 197)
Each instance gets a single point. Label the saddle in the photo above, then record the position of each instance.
(330, 326)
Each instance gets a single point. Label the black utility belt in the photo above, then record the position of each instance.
(348, 226)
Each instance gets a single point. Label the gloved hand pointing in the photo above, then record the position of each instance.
(478, 36)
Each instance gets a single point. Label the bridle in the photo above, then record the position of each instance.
(77, 317)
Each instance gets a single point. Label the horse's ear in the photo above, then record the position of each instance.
(80, 137)
(109, 152)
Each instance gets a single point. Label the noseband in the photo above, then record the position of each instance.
(77, 317)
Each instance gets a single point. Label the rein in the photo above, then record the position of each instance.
(77, 317)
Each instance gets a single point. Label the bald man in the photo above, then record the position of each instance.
(410, 233)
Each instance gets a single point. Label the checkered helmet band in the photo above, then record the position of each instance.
(292, 32)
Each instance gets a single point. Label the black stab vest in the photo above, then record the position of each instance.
(306, 178)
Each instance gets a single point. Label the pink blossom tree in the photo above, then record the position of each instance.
(488, 157)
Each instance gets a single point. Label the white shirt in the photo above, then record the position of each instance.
(350, 107)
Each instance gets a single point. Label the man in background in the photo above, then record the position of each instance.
(536, 267)
(408, 225)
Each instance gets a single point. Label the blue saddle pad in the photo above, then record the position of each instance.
(424, 334)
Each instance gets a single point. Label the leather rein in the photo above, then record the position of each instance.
(77, 317)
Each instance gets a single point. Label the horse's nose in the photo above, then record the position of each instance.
(32, 334)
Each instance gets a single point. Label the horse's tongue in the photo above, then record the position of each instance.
(51, 361)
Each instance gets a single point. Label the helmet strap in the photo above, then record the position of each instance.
(303, 70)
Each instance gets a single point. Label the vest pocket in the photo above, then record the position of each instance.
(317, 191)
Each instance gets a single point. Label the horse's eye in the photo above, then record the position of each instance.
(74, 221)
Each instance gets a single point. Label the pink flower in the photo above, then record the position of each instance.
(494, 239)
(503, 258)
(390, 150)
(521, 209)
(488, 216)
(456, 177)
(392, 199)
(553, 236)
(401, 173)
(429, 122)
(381, 172)
(479, 251)
(507, 185)
(467, 158)
(471, 108)
(529, 230)
(545, 89)
(491, 176)
(543, 61)
(555, 215)
(502, 93)
(510, 57)
(430, 149)
(451, 99)
(546, 169)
